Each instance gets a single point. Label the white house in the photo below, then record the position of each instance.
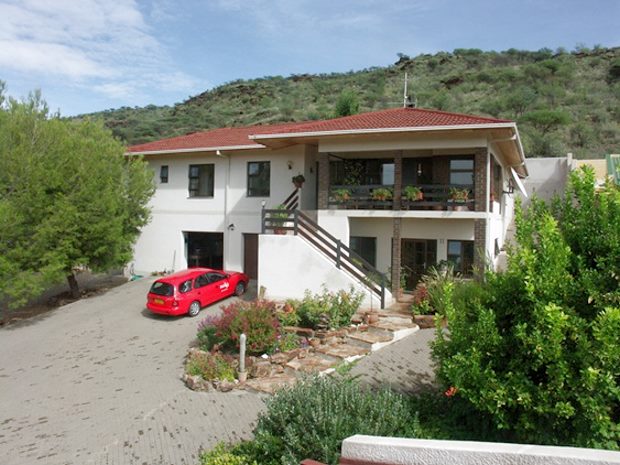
(212, 188)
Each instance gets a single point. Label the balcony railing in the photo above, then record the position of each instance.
(433, 197)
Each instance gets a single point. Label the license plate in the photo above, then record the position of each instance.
(159, 301)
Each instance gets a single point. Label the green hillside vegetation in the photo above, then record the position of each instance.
(563, 102)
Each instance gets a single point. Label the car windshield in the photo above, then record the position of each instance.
(160, 288)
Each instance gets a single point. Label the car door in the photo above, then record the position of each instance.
(218, 287)
(201, 289)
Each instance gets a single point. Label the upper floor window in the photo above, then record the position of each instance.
(259, 178)
(462, 171)
(163, 174)
(201, 180)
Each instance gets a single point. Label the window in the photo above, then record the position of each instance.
(163, 174)
(201, 281)
(215, 277)
(201, 180)
(461, 254)
(462, 171)
(365, 247)
(185, 286)
(362, 172)
(259, 178)
(160, 288)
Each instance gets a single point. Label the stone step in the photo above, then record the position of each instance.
(311, 364)
(369, 340)
(384, 326)
(342, 352)
(270, 385)
(395, 319)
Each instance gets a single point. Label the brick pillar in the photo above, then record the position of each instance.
(480, 179)
(398, 179)
(396, 257)
(323, 180)
(480, 246)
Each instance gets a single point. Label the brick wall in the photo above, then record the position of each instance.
(480, 179)
(398, 178)
(396, 251)
(480, 241)
(323, 180)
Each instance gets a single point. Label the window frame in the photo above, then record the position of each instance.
(462, 170)
(369, 239)
(164, 173)
(462, 263)
(249, 189)
(191, 194)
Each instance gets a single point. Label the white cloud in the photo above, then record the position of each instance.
(98, 44)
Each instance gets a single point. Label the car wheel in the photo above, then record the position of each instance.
(194, 308)
(240, 288)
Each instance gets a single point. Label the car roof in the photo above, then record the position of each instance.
(183, 275)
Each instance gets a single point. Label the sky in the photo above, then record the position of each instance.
(93, 55)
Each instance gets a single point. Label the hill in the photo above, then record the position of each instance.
(563, 102)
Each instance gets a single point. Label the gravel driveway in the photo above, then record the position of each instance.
(97, 382)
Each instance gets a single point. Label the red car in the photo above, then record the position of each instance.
(189, 290)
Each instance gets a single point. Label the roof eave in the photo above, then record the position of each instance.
(346, 132)
(196, 149)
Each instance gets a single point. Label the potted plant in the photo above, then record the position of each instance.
(413, 193)
(341, 195)
(299, 181)
(381, 194)
(279, 219)
(460, 197)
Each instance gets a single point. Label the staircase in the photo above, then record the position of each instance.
(283, 221)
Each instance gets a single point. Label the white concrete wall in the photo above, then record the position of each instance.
(174, 212)
(398, 451)
(288, 265)
(336, 225)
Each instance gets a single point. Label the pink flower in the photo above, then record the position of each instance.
(451, 391)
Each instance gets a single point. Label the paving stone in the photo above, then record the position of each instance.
(311, 364)
(343, 351)
(272, 384)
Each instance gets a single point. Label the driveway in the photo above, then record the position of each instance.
(97, 382)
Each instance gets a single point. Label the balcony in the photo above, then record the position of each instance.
(443, 197)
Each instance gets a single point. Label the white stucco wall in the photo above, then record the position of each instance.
(288, 265)
(398, 451)
(161, 244)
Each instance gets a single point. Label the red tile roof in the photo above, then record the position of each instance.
(386, 119)
(395, 118)
(214, 139)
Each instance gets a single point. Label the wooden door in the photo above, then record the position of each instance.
(250, 255)
(417, 255)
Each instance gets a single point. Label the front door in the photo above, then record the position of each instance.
(417, 255)
(250, 255)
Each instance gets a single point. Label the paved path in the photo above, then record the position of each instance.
(406, 365)
(97, 382)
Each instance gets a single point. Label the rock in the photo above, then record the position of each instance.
(197, 383)
(281, 358)
(306, 332)
(261, 369)
(225, 386)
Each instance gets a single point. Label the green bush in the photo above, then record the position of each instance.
(288, 316)
(312, 418)
(536, 347)
(210, 366)
(336, 307)
(256, 319)
(222, 454)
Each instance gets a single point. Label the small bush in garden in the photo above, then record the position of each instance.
(287, 341)
(288, 316)
(421, 301)
(222, 454)
(338, 307)
(312, 418)
(210, 366)
(256, 319)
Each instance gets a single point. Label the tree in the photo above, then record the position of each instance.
(69, 199)
(536, 348)
(347, 103)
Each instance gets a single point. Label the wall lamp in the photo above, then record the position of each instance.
(231, 227)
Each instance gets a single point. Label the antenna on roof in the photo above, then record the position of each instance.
(407, 103)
